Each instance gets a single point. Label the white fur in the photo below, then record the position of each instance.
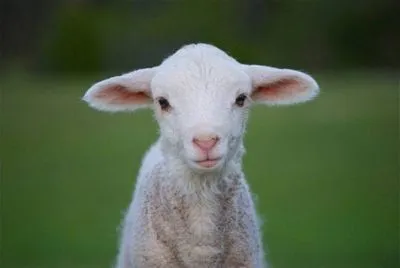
(185, 214)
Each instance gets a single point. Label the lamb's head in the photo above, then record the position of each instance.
(201, 97)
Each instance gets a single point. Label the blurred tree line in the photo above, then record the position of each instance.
(85, 36)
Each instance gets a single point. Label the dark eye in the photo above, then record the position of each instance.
(240, 100)
(164, 104)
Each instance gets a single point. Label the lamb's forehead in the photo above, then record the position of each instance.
(200, 66)
(199, 50)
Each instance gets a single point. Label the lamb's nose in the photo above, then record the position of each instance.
(205, 143)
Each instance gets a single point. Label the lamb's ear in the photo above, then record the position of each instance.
(126, 92)
(280, 86)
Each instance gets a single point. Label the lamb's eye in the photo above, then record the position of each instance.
(164, 104)
(240, 100)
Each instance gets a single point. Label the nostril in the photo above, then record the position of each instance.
(206, 144)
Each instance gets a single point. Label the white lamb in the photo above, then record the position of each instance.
(192, 206)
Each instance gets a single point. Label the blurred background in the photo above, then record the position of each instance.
(325, 173)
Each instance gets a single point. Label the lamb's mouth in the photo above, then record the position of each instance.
(209, 162)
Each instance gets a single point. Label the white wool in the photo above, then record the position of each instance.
(192, 206)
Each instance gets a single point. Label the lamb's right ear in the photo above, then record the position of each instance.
(126, 92)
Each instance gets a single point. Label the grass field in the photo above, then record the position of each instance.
(325, 174)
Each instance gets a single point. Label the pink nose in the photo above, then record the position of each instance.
(205, 143)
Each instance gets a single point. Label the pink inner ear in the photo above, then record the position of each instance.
(278, 90)
(118, 94)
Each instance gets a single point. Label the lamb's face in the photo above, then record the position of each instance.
(201, 97)
(202, 110)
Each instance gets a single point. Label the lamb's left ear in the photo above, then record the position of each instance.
(126, 92)
(280, 86)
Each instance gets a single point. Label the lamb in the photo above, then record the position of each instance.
(192, 206)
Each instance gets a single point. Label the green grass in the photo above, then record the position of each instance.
(325, 174)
